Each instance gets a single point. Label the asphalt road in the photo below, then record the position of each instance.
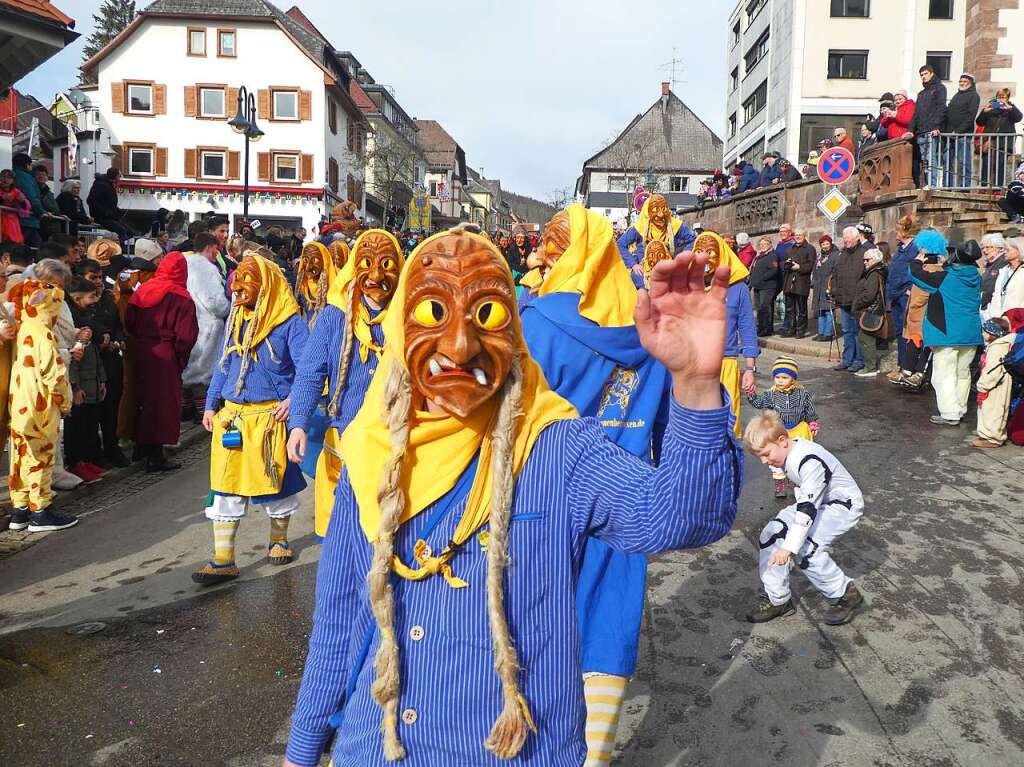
(929, 674)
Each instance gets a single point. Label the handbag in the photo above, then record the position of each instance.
(877, 321)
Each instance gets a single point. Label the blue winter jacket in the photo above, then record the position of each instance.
(26, 182)
(952, 317)
(771, 172)
(749, 178)
(898, 282)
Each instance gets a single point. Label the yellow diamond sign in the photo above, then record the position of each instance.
(833, 204)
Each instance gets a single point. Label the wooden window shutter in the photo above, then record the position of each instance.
(160, 161)
(306, 168)
(332, 174)
(234, 165)
(349, 134)
(263, 166)
(191, 163)
(332, 118)
(117, 97)
(263, 104)
(159, 99)
(117, 160)
(191, 101)
(305, 105)
(350, 187)
(230, 102)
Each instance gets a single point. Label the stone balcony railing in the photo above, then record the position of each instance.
(885, 168)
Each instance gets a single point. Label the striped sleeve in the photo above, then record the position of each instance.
(326, 673)
(688, 501)
(312, 369)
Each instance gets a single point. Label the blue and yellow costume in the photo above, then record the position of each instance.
(677, 236)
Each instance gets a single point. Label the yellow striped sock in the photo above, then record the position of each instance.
(279, 530)
(224, 542)
(604, 694)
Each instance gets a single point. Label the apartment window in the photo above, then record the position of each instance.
(140, 99)
(736, 34)
(851, 8)
(757, 101)
(213, 163)
(941, 62)
(226, 43)
(616, 183)
(286, 168)
(196, 42)
(754, 7)
(286, 105)
(756, 52)
(211, 102)
(332, 116)
(734, 79)
(678, 183)
(732, 125)
(847, 65)
(433, 189)
(940, 9)
(140, 161)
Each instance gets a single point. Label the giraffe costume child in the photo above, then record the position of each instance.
(40, 394)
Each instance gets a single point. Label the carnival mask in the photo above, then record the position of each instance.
(339, 254)
(708, 245)
(377, 268)
(459, 329)
(654, 252)
(657, 211)
(313, 263)
(555, 240)
(246, 284)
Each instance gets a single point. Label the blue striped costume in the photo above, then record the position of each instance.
(575, 484)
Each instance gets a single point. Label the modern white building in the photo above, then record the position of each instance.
(167, 86)
(797, 69)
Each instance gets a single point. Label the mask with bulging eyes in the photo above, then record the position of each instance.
(377, 266)
(555, 240)
(707, 244)
(312, 262)
(460, 331)
(246, 283)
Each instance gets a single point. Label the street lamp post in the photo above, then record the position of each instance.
(244, 122)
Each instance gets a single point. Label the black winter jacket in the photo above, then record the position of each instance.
(1000, 120)
(962, 111)
(764, 271)
(870, 294)
(103, 201)
(799, 282)
(846, 274)
(930, 110)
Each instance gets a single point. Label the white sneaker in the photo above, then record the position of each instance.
(865, 373)
(65, 480)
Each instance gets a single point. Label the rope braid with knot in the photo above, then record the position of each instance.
(508, 735)
(391, 499)
(246, 351)
(346, 351)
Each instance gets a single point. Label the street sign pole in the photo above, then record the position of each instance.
(835, 167)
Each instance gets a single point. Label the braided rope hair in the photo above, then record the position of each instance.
(302, 277)
(346, 350)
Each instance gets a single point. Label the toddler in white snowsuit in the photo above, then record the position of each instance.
(828, 504)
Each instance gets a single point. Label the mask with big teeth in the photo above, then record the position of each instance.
(312, 262)
(657, 211)
(555, 240)
(376, 268)
(246, 283)
(460, 329)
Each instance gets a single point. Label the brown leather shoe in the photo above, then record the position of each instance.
(984, 443)
(842, 611)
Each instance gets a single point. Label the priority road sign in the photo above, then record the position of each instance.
(833, 205)
(836, 165)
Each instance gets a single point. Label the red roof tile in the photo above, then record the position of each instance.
(364, 102)
(42, 9)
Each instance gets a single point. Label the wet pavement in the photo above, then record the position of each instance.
(929, 674)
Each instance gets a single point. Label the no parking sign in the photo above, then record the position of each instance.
(836, 165)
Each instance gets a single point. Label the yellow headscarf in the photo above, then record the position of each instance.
(338, 295)
(309, 289)
(533, 279)
(738, 272)
(274, 305)
(440, 446)
(649, 232)
(592, 267)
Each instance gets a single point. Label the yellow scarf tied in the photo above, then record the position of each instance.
(274, 306)
(440, 446)
(338, 296)
(592, 267)
(533, 279)
(737, 271)
(310, 288)
(650, 232)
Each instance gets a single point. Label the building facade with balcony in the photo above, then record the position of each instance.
(446, 176)
(797, 69)
(169, 83)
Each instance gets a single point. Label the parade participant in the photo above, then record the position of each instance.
(314, 274)
(793, 403)
(741, 334)
(828, 504)
(40, 394)
(468, 491)
(655, 222)
(540, 261)
(126, 282)
(246, 410)
(339, 251)
(343, 351)
(580, 330)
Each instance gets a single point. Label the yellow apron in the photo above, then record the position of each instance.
(731, 381)
(328, 471)
(801, 431)
(257, 467)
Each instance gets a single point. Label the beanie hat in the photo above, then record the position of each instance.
(742, 238)
(994, 329)
(786, 366)
(825, 238)
(969, 76)
(968, 253)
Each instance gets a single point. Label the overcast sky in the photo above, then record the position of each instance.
(529, 89)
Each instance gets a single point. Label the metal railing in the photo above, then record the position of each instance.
(969, 161)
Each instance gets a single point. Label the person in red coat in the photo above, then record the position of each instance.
(161, 319)
(896, 121)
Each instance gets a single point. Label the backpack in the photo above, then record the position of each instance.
(1013, 362)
